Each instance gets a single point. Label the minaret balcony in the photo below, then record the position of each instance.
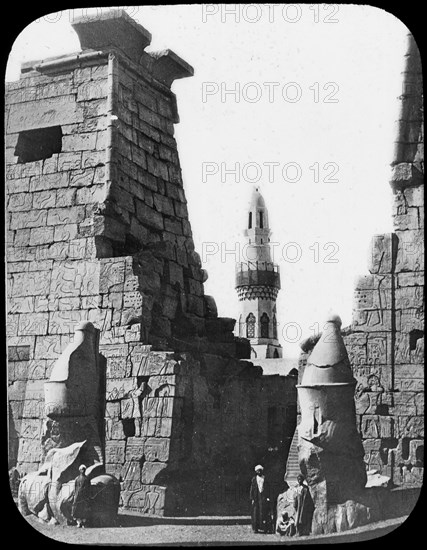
(257, 274)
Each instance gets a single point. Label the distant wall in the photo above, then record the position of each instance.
(386, 344)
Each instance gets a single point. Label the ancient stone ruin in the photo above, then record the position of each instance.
(385, 345)
(115, 354)
(330, 447)
(386, 341)
(98, 233)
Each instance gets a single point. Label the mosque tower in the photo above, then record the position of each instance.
(257, 284)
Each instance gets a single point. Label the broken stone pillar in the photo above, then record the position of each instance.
(330, 447)
(73, 394)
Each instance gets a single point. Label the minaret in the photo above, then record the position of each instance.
(258, 283)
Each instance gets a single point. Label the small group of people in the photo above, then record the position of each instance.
(290, 515)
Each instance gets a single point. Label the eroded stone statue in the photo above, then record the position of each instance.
(330, 448)
(73, 403)
(74, 409)
(49, 492)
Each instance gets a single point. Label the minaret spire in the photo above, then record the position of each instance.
(258, 283)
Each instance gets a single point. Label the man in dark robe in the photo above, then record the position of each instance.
(260, 496)
(304, 507)
(81, 508)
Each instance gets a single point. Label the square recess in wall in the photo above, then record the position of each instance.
(38, 144)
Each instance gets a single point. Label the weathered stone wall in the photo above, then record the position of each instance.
(52, 271)
(386, 344)
(98, 231)
(183, 431)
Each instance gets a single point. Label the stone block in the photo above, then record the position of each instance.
(46, 303)
(410, 254)
(135, 449)
(195, 304)
(61, 216)
(411, 219)
(157, 449)
(378, 297)
(18, 353)
(22, 238)
(33, 323)
(22, 304)
(29, 450)
(409, 297)
(118, 367)
(114, 469)
(379, 349)
(112, 410)
(375, 320)
(91, 195)
(180, 209)
(44, 113)
(33, 408)
(21, 202)
(79, 142)
(112, 275)
(163, 204)
(410, 319)
(382, 253)
(410, 426)
(16, 390)
(158, 406)
(149, 217)
(12, 325)
(32, 218)
(405, 405)
(131, 475)
(41, 235)
(150, 471)
(114, 430)
(156, 427)
(81, 178)
(44, 199)
(118, 388)
(409, 384)
(149, 500)
(31, 428)
(408, 279)
(174, 174)
(18, 185)
(175, 274)
(48, 347)
(115, 452)
(73, 278)
(49, 182)
(65, 232)
(374, 426)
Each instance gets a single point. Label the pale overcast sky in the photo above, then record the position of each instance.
(311, 122)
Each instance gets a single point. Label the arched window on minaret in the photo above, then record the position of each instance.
(274, 327)
(265, 323)
(250, 326)
(241, 326)
(250, 221)
(261, 219)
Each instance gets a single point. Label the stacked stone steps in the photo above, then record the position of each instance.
(292, 464)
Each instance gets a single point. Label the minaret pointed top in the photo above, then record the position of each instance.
(258, 213)
(257, 200)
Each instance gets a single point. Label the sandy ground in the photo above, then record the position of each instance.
(136, 530)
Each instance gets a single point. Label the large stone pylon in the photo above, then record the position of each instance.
(330, 447)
